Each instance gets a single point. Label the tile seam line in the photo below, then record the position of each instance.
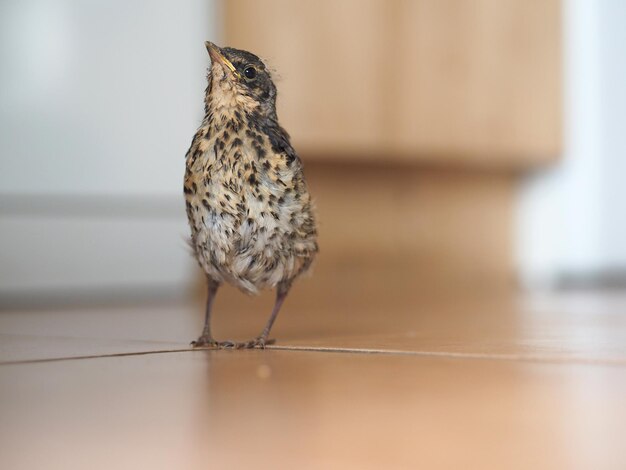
(575, 360)
(91, 356)
(452, 355)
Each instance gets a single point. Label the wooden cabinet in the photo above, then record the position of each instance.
(470, 82)
(411, 117)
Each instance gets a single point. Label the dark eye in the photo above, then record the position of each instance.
(249, 72)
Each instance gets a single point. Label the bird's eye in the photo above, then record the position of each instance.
(249, 72)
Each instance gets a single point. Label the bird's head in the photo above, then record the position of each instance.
(239, 79)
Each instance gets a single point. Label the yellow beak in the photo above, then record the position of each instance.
(217, 56)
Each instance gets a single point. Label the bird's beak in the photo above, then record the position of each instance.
(218, 57)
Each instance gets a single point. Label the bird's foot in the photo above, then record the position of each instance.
(208, 342)
(256, 343)
(204, 342)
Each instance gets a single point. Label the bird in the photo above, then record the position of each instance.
(249, 209)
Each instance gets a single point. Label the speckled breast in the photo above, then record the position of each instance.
(248, 209)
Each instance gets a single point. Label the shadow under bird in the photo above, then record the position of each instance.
(252, 224)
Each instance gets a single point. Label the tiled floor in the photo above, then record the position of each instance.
(418, 382)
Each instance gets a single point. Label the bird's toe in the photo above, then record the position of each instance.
(204, 342)
(261, 342)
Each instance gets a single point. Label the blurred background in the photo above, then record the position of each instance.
(449, 144)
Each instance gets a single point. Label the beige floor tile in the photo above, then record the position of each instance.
(286, 409)
(77, 332)
(20, 348)
(578, 327)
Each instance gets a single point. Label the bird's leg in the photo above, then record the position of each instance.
(206, 339)
(262, 340)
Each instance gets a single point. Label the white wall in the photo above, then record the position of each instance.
(100, 100)
(572, 221)
(613, 99)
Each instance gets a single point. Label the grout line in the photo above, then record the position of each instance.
(575, 359)
(92, 356)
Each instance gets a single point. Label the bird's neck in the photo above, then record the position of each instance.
(224, 105)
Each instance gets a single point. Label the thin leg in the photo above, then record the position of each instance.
(206, 339)
(280, 298)
(261, 341)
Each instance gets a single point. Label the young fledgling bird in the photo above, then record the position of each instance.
(248, 206)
